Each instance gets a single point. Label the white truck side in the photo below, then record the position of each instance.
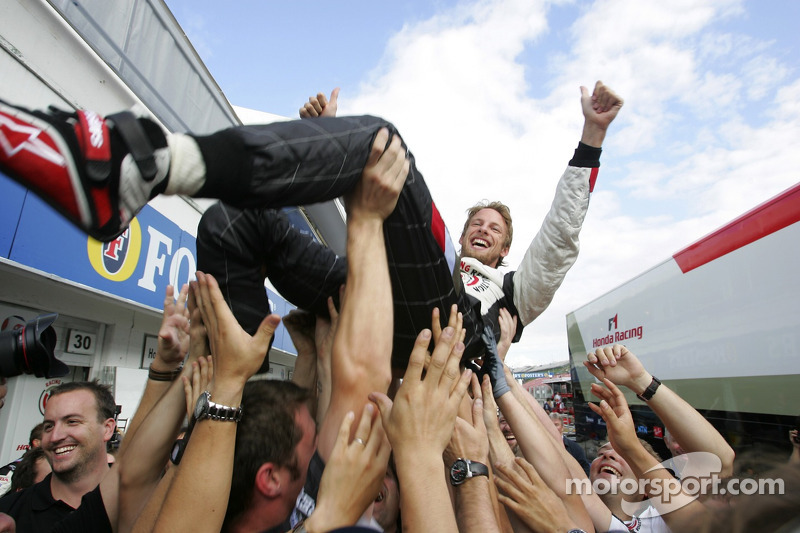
(719, 321)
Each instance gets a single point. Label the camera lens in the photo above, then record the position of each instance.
(29, 349)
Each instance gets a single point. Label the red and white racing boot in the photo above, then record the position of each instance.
(98, 172)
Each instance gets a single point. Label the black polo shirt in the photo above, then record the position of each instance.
(34, 508)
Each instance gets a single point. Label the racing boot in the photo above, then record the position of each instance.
(97, 172)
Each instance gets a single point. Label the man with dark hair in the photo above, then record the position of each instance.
(275, 441)
(78, 421)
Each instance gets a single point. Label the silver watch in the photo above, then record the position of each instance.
(205, 408)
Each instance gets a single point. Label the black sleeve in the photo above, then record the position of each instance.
(586, 156)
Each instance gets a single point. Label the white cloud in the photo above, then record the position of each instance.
(762, 74)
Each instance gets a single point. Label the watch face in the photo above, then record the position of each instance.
(201, 407)
(459, 472)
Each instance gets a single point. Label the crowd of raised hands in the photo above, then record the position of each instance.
(439, 414)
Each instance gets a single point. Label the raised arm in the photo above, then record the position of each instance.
(540, 449)
(598, 512)
(475, 498)
(324, 334)
(362, 347)
(554, 249)
(142, 465)
(687, 426)
(173, 344)
(664, 492)
(192, 503)
(353, 475)
(419, 424)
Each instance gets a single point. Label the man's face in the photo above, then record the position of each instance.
(559, 424)
(609, 465)
(387, 504)
(74, 440)
(485, 237)
(507, 433)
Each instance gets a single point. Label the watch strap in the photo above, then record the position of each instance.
(478, 469)
(225, 413)
(650, 390)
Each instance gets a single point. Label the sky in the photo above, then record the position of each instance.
(486, 95)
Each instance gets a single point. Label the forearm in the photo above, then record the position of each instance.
(666, 492)
(365, 336)
(192, 503)
(499, 451)
(689, 427)
(362, 349)
(474, 506)
(153, 391)
(323, 387)
(425, 503)
(593, 134)
(146, 519)
(534, 442)
(598, 513)
(533, 408)
(539, 448)
(142, 465)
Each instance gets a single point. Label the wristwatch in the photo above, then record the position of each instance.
(205, 408)
(463, 469)
(650, 390)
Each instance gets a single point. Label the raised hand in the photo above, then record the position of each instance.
(599, 110)
(424, 410)
(524, 492)
(620, 366)
(353, 474)
(193, 385)
(301, 325)
(375, 196)
(469, 439)
(198, 336)
(617, 415)
(237, 355)
(508, 328)
(173, 336)
(319, 106)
